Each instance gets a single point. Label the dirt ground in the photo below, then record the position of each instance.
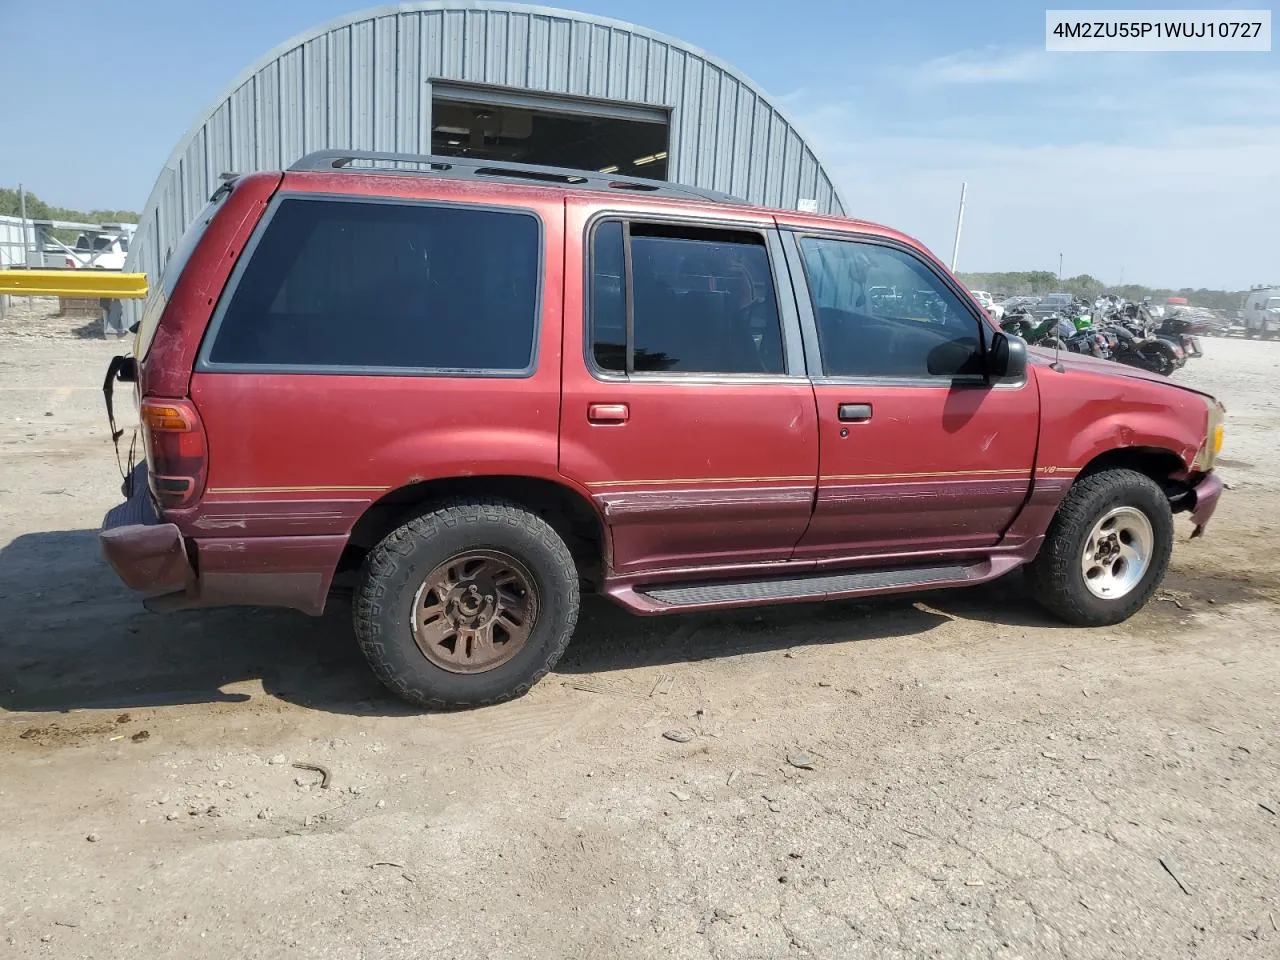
(984, 782)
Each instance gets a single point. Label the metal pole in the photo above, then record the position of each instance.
(955, 248)
(22, 211)
(1059, 269)
(26, 249)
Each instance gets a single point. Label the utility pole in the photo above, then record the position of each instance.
(1059, 269)
(955, 248)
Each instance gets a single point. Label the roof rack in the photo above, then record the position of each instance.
(470, 168)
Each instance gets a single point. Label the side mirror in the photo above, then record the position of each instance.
(1007, 357)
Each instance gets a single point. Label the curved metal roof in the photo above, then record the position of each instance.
(363, 82)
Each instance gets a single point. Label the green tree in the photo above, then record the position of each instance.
(37, 209)
(1039, 282)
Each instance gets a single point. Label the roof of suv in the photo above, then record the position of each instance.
(568, 180)
(470, 168)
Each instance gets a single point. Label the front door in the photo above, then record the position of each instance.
(686, 412)
(920, 453)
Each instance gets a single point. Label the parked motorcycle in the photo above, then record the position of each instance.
(1185, 331)
(1137, 343)
(1053, 331)
(1138, 349)
(1109, 328)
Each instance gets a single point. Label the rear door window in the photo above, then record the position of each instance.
(350, 286)
(701, 301)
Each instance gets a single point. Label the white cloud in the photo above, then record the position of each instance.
(1165, 170)
(1195, 211)
(988, 65)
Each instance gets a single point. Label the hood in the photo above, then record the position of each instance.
(1072, 362)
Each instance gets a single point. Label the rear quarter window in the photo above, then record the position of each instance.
(353, 286)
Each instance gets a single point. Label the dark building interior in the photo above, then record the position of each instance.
(630, 147)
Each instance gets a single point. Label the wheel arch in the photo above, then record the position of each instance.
(1161, 464)
(569, 512)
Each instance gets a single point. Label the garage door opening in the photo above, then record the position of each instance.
(586, 136)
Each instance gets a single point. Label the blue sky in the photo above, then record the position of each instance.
(1155, 168)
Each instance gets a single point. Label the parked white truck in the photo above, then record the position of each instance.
(104, 249)
(1261, 313)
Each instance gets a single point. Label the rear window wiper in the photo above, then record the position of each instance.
(227, 185)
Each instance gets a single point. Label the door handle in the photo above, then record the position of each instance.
(854, 412)
(608, 413)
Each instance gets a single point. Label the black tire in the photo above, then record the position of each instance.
(1162, 357)
(396, 568)
(1056, 578)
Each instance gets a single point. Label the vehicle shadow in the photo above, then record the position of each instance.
(611, 638)
(1005, 602)
(72, 637)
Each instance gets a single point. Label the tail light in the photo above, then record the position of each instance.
(177, 452)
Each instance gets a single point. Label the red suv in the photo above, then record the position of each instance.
(484, 388)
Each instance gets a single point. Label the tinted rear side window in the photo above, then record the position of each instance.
(354, 284)
(702, 301)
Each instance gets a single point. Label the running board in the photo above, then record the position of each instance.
(814, 586)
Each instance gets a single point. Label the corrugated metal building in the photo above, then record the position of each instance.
(496, 80)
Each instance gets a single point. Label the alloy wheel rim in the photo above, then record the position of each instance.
(475, 611)
(1117, 553)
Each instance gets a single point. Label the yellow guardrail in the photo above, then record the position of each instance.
(89, 283)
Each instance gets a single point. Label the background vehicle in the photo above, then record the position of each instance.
(1261, 313)
(994, 310)
(517, 383)
(1058, 303)
(103, 251)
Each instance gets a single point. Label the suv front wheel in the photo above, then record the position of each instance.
(467, 605)
(1106, 550)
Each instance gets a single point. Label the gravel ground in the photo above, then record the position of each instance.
(946, 776)
(36, 318)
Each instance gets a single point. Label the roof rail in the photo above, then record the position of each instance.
(471, 168)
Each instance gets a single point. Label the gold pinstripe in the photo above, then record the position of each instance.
(703, 481)
(929, 474)
(297, 489)
(1009, 472)
(693, 481)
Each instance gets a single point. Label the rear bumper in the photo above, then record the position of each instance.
(1206, 492)
(148, 555)
(178, 573)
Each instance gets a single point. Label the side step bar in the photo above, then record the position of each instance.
(806, 587)
(815, 586)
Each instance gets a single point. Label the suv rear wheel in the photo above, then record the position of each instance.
(467, 605)
(1106, 551)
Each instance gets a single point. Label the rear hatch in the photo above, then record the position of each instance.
(159, 368)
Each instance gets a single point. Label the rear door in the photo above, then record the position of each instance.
(686, 411)
(912, 461)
